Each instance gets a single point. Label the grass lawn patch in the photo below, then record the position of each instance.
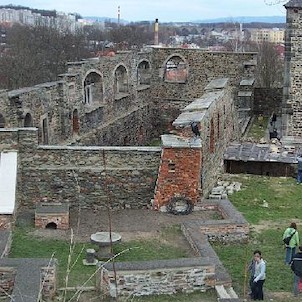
(25, 245)
(269, 204)
(258, 128)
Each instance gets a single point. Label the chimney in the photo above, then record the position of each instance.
(156, 32)
(118, 15)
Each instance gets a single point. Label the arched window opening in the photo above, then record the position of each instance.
(176, 70)
(28, 121)
(2, 121)
(143, 73)
(51, 226)
(75, 122)
(45, 131)
(120, 80)
(93, 88)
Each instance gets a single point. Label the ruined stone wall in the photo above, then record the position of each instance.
(7, 281)
(49, 282)
(150, 278)
(203, 67)
(128, 178)
(292, 104)
(5, 221)
(151, 108)
(125, 174)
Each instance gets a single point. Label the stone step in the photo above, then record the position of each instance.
(231, 292)
(221, 292)
(226, 293)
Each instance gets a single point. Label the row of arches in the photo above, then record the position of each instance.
(175, 71)
(28, 121)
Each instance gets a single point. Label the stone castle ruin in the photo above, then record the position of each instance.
(74, 140)
(105, 110)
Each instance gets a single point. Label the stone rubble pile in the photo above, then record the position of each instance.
(223, 189)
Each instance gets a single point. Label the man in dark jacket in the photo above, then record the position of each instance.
(296, 266)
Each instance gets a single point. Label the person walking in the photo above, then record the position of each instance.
(259, 276)
(296, 266)
(293, 243)
(273, 119)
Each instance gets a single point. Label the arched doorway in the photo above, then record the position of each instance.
(51, 225)
(28, 121)
(75, 122)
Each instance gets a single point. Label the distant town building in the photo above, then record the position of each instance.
(33, 17)
(272, 35)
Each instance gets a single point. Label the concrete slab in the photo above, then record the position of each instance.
(175, 141)
(217, 84)
(204, 102)
(186, 118)
(8, 180)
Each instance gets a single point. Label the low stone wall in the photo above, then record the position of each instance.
(5, 221)
(49, 282)
(157, 277)
(33, 279)
(7, 281)
(181, 275)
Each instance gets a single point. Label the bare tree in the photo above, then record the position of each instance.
(38, 54)
(270, 66)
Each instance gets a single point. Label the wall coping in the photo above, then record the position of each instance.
(106, 148)
(18, 129)
(175, 141)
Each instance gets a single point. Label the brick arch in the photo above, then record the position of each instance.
(176, 69)
(93, 87)
(121, 79)
(143, 72)
(2, 121)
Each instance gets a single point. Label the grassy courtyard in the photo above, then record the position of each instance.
(269, 204)
(25, 245)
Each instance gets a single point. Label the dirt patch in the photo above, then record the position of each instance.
(277, 225)
(131, 224)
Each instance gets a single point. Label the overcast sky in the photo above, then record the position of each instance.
(164, 10)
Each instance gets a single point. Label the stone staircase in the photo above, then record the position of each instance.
(226, 294)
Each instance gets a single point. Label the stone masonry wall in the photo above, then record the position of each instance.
(60, 106)
(291, 107)
(5, 221)
(125, 174)
(7, 281)
(49, 282)
(154, 279)
(128, 178)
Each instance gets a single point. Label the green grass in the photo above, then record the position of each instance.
(283, 196)
(257, 130)
(24, 245)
